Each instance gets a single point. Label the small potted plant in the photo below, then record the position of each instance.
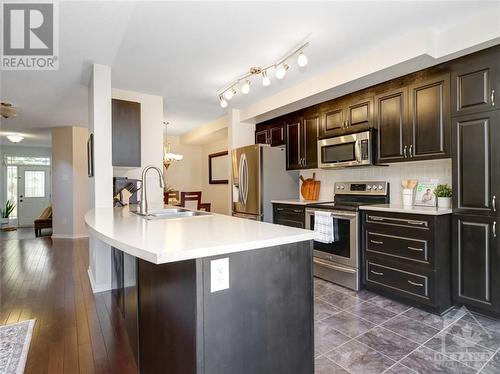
(443, 193)
(6, 212)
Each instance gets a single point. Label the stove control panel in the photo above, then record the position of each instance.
(362, 188)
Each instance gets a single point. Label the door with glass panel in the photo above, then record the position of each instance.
(33, 189)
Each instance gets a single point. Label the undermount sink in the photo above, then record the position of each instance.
(169, 213)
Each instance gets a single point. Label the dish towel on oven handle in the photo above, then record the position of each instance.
(324, 227)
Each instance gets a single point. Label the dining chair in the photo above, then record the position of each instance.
(194, 196)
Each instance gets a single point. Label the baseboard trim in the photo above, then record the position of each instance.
(96, 288)
(69, 236)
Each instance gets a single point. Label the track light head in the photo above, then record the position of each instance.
(223, 102)
(228, 95)
(302, 59)
(266, 81)
(245, 88)
(281, 71)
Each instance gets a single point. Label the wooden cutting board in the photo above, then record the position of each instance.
(310, 188)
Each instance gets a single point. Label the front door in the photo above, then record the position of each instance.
(33, 190)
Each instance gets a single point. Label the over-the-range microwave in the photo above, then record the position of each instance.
(346, 150)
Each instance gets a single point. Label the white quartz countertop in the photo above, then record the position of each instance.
(398, 208)
(169, 240)
(298, 201)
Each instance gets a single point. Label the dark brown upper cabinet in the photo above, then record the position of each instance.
(349, 114)
(413, 122)
(430, 118)
(392, 130)
(126, 133)
(272, 133)
(476, 272)
(475, 83)
(302, 140)
(476, 164)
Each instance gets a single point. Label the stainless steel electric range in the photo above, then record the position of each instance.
(339, 261)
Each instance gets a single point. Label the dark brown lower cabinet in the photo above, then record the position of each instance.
(289, 215)
(407, 257)
(476, 263)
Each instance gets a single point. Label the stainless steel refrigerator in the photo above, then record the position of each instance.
(259, 175)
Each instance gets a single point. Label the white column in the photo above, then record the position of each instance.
(101, 184)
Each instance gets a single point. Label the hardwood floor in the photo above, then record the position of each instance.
(76, 331)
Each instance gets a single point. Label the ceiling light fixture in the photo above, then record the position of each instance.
(266, 81)
(302, 60)
(15, 138)
(245, 88)
(280, 69)
(223, 102)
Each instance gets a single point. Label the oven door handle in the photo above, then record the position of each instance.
(333, 267)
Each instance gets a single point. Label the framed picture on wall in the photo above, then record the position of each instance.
(90, 156)
(218, 168)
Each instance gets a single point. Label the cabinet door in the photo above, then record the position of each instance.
(359, 114)
(310, 141)
(332, 119)
(276, 135)
(391, 117)
(261, 136)
(476, 163)
(474, 84)
(430, 118)
(293, 144)
(476, 279)
(126, 133)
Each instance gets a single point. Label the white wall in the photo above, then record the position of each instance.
(17, 150)
(436, 169)
(185, 175)
(216, 194)
(151, 140)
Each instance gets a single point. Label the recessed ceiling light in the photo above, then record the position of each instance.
(281, 71)
(15, 138)
(302, 60)
(265, 79)
(245, 88)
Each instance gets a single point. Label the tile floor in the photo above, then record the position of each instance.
(361, 332)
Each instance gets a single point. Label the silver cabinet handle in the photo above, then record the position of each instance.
(376, 272)
(420, 223)
(415, 249)
(376, 218)
(376, 242)
(279, 209)
(297, 211)
(411, 150)
(492, 97)
(494, 203)
(346, 123)
(405, 152)
(494, 229)
(415, 283)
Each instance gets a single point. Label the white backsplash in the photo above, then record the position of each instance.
(421, 170)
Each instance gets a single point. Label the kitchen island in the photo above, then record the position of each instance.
(212, 294)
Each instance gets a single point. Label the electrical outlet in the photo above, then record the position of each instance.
(219, 274)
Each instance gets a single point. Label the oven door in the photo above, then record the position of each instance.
(344, 250)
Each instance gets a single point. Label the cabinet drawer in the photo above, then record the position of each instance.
(396, 279)
(398, 246)
(287, 222)
(289, 215)
(404, 220)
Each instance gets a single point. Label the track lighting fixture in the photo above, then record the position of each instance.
(266, 81)
(280, 69)
(245, 88)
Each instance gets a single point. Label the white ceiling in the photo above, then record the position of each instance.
(186, 51)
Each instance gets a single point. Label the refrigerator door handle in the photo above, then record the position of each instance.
(245, 173)
(240, 174)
